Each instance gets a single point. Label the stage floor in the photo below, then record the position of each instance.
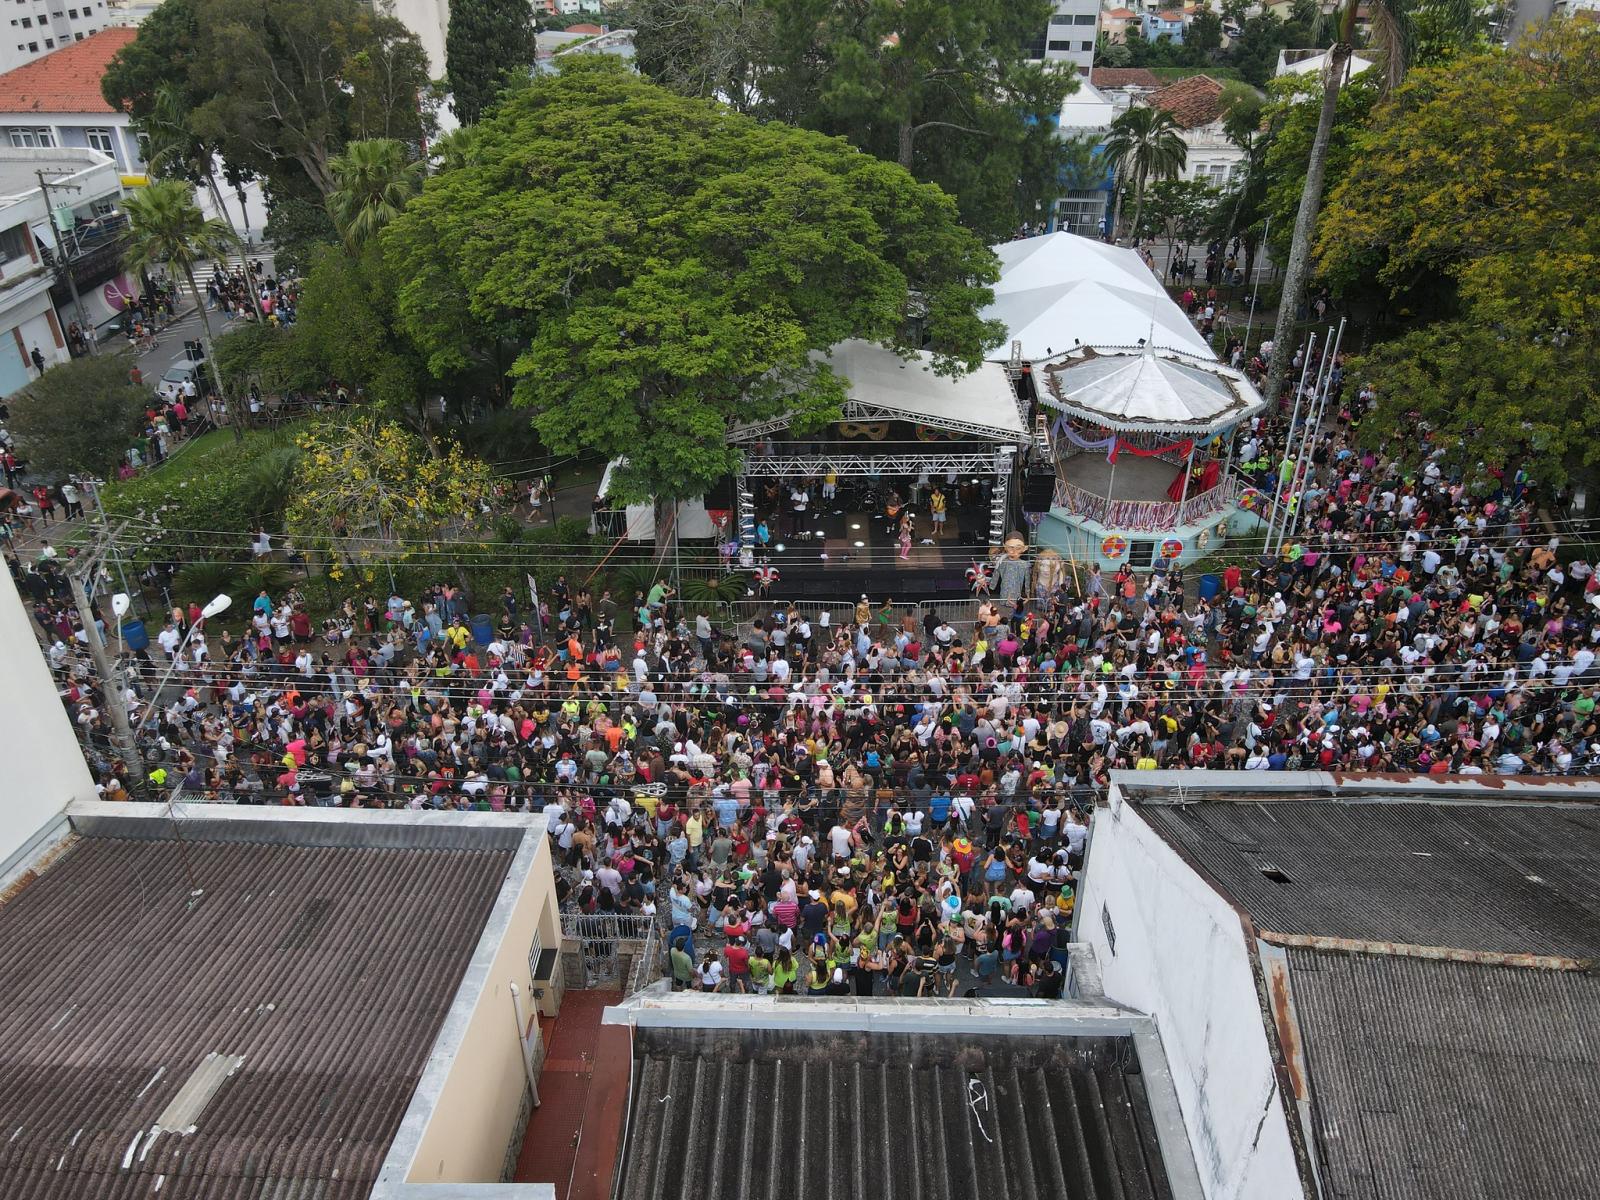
(851, 552)
(1135, 478)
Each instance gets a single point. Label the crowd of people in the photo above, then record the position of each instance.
(897, 800)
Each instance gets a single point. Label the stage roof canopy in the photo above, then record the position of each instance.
(1059, 290)
(1154, 390)
(885, 385)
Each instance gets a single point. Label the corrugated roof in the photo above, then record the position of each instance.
(328, 971)
(1449, 1081)
(1510, 878)
(753, 1114)
(66, 80)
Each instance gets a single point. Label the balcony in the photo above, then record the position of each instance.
(92, 250)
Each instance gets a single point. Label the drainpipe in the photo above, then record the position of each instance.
(522, 1042)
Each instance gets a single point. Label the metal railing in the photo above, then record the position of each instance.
(1145, 516)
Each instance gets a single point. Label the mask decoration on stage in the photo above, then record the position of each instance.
(1049, 572)
(765, 577)
(979, 575)
(1011, 570)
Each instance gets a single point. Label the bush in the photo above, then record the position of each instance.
(79, 417)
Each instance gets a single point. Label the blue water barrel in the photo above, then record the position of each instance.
(134, 635)
(482, 629)
(1210, 585)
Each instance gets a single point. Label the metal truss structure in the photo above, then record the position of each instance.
(765, 466)
(855, 410)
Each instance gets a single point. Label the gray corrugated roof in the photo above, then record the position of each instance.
(754, 1114)
(328, 970)
(1449, 1081)
(1511, 878)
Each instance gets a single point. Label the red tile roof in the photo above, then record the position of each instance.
(67, 80)
(1116, 77)
(1193, 102)
(1121, 13)
(584, 28)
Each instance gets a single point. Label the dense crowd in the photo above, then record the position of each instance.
(856, 803)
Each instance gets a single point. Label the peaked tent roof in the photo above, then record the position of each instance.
(1058, 290)
(1149, 390)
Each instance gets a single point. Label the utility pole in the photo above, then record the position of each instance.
(72, 282)
(111, 684)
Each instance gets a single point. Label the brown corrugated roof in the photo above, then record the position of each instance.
(1115, 77)
(327, 969)
(67, 80)
(1193, 102)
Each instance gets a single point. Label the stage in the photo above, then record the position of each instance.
(842, 552)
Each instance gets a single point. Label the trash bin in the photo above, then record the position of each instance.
(134, 635)
(483, 629)
(1210, 585)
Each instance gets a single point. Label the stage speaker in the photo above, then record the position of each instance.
(1038, 490)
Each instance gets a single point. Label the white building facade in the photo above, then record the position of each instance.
(1070, 35)
(40, 27)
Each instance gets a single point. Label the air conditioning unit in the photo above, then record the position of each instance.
(548, 984)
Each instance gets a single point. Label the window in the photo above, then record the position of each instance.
(1060, 47)
(1086, 47)
(1059, 20)
(33, 47)
(27, 22)
(1084, 19)
(1141, 554)
(49, 43)
(32, 139)
(100, 139)
(14, 243)
(73, 13)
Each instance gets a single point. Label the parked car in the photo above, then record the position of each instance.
(171, 385)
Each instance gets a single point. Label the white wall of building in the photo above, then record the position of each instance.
(51, 24)
(44, 769)
(430, 21)
(1180, 955)
(1072, 32)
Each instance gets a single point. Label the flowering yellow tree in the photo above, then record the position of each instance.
(366, 491)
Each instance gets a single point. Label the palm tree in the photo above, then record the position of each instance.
(373, 181)
(1389, 30)
(1146, 143)
(165, 225)
(175, 151)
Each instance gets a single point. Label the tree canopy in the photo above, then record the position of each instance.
(294, 81)
(670, 266)
(486, 41)
(1466, 194)
(79, 417)
(943, 87)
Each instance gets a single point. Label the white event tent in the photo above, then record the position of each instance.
(1059, 291)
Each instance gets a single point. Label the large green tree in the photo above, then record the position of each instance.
(288, 84)
(943, 87)
(1477, 183)
(79, 417)
(670, 267)
(488, 41)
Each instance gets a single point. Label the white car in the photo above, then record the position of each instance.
(171, 385)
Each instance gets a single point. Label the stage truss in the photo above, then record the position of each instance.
(997, 464)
